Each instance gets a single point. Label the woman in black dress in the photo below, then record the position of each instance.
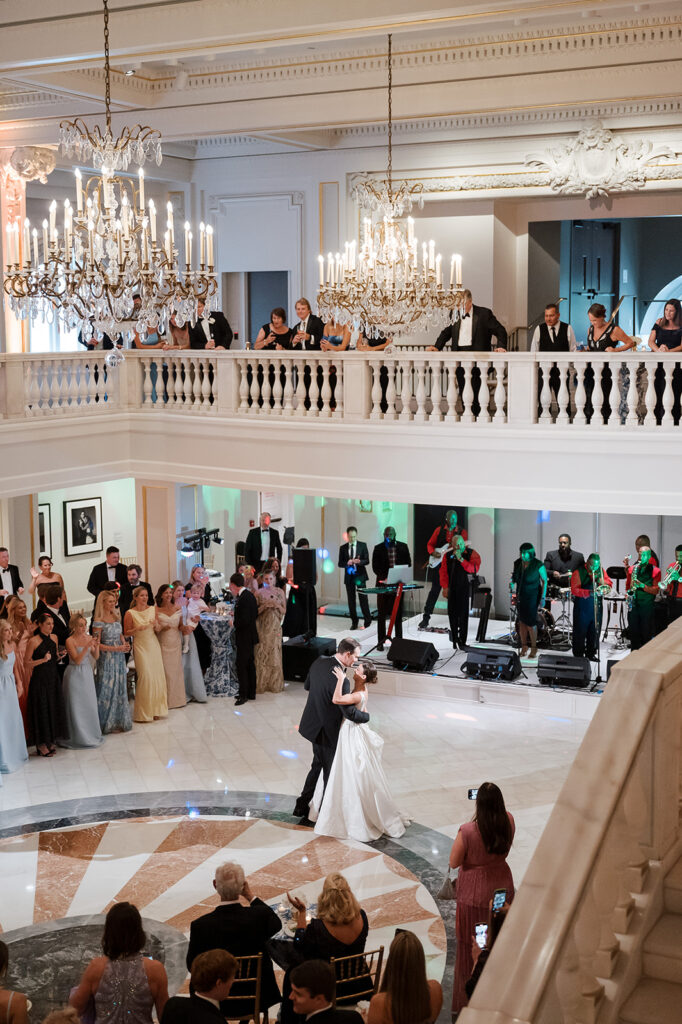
(529, 583)
(666, 336)
(45, 706)
(276, 334)
(606, 336)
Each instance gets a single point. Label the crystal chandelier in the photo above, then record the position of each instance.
(386, 285)
(108, 250)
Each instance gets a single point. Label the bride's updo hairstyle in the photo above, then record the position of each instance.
(336, 903)
(369, 671)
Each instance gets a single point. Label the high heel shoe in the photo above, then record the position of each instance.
(524, 652)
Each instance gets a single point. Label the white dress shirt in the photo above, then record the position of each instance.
(6, 581)
(465, 331)
(553, 331)
(265, 544)
(111, 573)
(206, 327)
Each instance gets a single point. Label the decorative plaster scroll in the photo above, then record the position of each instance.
(33, 163)
(598, 163)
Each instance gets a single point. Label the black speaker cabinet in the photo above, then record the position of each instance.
(298, 655)
(485, 663)
(564, 670)
(305, 566)
(414, 655)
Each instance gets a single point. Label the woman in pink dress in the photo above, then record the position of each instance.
(480, 852)
(22, 631)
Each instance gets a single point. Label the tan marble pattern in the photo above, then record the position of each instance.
(315, 860)
(63, 859)
(390, 907)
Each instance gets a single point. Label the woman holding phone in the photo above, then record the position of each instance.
(480, 852)
(276, 334)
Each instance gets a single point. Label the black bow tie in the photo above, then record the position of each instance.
(465, 316)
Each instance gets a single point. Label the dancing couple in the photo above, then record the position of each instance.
(346, 791)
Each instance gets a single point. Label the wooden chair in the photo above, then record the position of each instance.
(357, 977)
(244, 995)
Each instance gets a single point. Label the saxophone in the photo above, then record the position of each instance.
(633, 580)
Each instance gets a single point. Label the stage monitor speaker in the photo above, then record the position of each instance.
(414, 655)
(305, 567)
(564, 670)
(484, 663)
(298, 655)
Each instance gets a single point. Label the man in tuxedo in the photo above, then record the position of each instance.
(457, 568)
(262, 542)
(108, 571)
(243, 930)
(211, 977)
(52, 601)
(133, 572)
(246, 637)
(10, 580)
(321, 719)
(353, 557)
(309, 329)
(473, 331)
(210, 332)
(385, 555)
(313, 988)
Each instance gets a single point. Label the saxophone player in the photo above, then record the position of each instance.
(589, 583)
(671, 585)
(642, 586)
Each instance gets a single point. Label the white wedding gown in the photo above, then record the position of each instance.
(357, 802)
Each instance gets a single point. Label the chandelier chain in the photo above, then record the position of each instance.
(107, 73)
(390, 114)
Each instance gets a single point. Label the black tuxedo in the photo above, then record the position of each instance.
(315, 328)
(320, 724)
(126, 596)
(246, 638)
(242, 931)
(181, 1010)
(353, 579)
(334, 1016)
(253, 548)
(380, 566)
(16, 582)
(484, 324)
(99, 577)
(61, 626)
(218, 327)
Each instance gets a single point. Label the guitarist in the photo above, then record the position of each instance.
(439, 542)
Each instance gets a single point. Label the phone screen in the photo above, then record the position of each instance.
(481, 933)
(472, 794)
(499, 899)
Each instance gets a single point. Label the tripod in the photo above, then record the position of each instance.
(597, 604)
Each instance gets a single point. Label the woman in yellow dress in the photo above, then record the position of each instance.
(272, 605)
(150, 692)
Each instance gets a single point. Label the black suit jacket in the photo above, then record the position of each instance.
(16, 582)
(126, 596)
(245, 616)
(380, 564)
(484, 324)
(99, 577)
(362, 553)
(315, 328)
(242, 931)
(219, 329)
(334, 1016)
(321, 720)
(181, 1010)
(60, 629)
(253, 549)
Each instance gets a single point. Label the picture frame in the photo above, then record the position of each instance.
(44, 530)
(82, 526)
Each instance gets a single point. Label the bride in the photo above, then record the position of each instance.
(357, 803)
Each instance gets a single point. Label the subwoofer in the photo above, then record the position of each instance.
(414, 655)
(484, 663)
(298, 655)
(564, 670)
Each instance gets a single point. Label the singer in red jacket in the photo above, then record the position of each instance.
(456, 570)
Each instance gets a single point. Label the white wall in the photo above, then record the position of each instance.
(118, 528)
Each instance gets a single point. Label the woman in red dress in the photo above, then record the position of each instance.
(480, 852)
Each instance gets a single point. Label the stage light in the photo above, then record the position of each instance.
(319, 553)
(328, 565)
(325, 553)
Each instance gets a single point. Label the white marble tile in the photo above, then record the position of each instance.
(18, 881)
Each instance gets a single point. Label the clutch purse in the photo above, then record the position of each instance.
(447, 889)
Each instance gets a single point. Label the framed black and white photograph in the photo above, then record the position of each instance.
(44, 531)
(82, 526)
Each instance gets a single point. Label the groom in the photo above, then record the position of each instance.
(321, 719)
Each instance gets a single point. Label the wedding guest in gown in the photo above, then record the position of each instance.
(169, 619)
(340, 929)
(480, 852)
(125, 984)
(45, 574)
(150, 691)
(80, 696)
(13, 1005)
(666, 336)
(22, 631)
(45, 708)
(250, 578)
(271, 607)
(357, 801)
(274, 565)
(406, 994)
(199, 575)
(112, 675)
(13, 750)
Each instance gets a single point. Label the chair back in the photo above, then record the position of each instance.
(357, 977)
(243, 1002)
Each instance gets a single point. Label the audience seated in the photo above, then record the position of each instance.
(241, 928)
(125, 985)
(313, 988)
(212, 975)
(13, 1005)
(406, 995)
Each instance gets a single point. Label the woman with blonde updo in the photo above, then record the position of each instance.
(151, 701)
(80, 697)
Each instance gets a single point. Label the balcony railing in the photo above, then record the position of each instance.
(574, 390)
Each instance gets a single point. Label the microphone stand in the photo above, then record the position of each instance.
(597, 627)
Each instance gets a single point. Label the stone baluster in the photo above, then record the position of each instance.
(668, 395)
(290, 372)
(277, 388)
(82, 389)
(420, 372)
(406, 390)
(467, 394)
(93, 371)
(254, 387)
(375, 413)
(579, 418)
(618, 394)
(32, 389)
(546, 393)
(339, 390)
(266, 388)
(173, 374)
(563, 396)
(451, 414)
(44, 404)
(298, 384)
(597, 394)
(314, 389)
(391, 411)
(147, 387)
(632, 418)
(650, 396)
(326, 391)
(60, 386)
(243, 385)
(196, 384)
(486, 394)
(500, 393)
(207, 388)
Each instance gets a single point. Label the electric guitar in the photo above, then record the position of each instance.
(437, 556)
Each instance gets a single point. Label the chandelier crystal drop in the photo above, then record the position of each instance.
(86, 273)
(389, 284)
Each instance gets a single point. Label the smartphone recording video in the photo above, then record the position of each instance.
(499, 900)
(473, 793)
(481, 933)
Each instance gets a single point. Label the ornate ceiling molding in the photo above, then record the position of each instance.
(27, 163)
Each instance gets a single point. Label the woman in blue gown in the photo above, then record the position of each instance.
(80, 696)
(112, 675)
(13, 750)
